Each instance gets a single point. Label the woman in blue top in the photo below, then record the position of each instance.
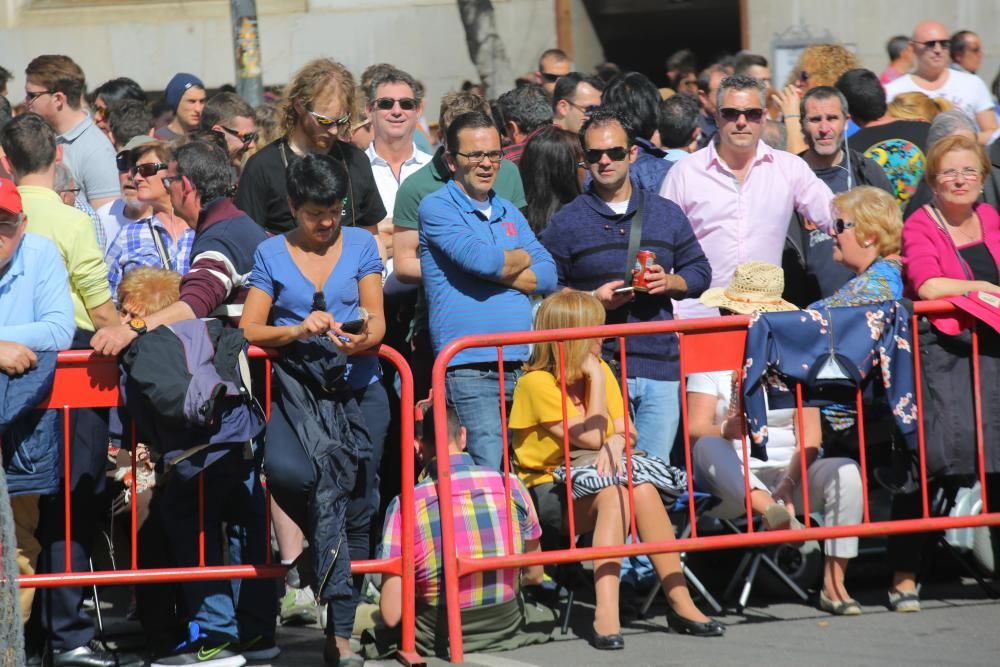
(308, 282)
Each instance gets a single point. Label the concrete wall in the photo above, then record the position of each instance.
(868, 24)
(149, 41)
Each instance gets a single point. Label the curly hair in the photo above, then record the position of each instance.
(877, 218)
(148, 290)
(316, 78)
(823, 64)
(917, 106)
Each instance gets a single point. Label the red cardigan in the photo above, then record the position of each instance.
(929, 252)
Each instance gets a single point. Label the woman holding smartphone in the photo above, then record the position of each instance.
(307, 283)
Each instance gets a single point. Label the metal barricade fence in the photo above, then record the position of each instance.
(709, 344)
(87, 380)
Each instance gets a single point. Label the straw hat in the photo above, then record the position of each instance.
(756, 286)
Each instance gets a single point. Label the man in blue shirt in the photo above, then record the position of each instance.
(480, 263)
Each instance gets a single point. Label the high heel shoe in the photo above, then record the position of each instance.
(613, 642)
(685, 626)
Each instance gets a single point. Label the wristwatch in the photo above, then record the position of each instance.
(138, 325)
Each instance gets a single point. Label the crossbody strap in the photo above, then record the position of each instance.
(634, 239)
(158, 242)
(936, 217)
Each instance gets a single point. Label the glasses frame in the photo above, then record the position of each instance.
(842, 225)
(752, 114)
(247, 138)
(585, 110)
(326, 121)
(968, 173)
(495, 157)
(405, 103)
(30, 97)
(11, 226)
(594, 155)
(550, 77)
(945, 44)
(137, 168)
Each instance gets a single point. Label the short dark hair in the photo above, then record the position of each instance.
(117, 90)
(606, 71)
(705, 76)
(864, 94)
(566, 86)
(677, 119)
(740, 82)
(456, 103)
(316, 179)
(823, 93)
(428, 432)
(637, 100)
(959, 43)
(681, 60)
(600, 118)
(6, 113)
(745, 61)
(222, 108)
(59, 74)
(5, 76)
(206, 166)
(896, 45)
(472, 120)
(391, 74)
(128, 118)
(528, 106)
(29, 142)
(557, 54)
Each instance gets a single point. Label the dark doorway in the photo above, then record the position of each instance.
(638, 35)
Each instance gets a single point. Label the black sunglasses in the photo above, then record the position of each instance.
(731, 115)
(842, 225)
(387, 103)
(931, 43)
(75, 191)
(247, 138)
(148, 169)
(550, 77)
(615, 154)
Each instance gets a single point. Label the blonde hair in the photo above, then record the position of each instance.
(876, 215)
(564, 310)
(823, 64)
(917, 106)
(315, 79)
(149, 289)
(950, 144)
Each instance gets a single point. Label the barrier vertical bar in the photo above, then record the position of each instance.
(692, 515)
(803, 463)
(201, 519)
(509, 527)
(268, 557)
(746, 451)
(67, 489)
(978, 403)
(863, 461)
(566, 458)
(628, 438)
(135, 498)
(918, 389)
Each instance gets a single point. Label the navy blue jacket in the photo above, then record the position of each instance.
(32, 439)
(831, 352)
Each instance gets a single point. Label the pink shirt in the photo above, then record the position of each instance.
(738, 222)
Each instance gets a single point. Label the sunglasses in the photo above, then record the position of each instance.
(731, 115)
(585, 110)
(326, 121)
(387, 103)
(148, 169)
(475, 157)
(550, 77)
(931, 43)
(615, 154)
(247, 138)
(30, 96)
(10, 226)
(842, 225)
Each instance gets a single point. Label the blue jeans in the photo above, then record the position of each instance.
(474, 393)
(655, 408)
(233, 493)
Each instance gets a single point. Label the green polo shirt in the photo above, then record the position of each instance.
(433, 176)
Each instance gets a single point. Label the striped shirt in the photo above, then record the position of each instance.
(135, 247)
(480, 532)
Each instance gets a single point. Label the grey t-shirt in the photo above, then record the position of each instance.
(91, 157)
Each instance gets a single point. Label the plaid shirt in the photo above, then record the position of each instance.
(135, 247)
(480, 532)
(102, 237)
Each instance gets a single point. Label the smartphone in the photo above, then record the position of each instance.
(353, 327)
(628, 289)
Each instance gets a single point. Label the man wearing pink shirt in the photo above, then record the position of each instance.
(739, 193)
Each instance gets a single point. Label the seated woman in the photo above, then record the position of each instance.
(716, 429)
(951, 248)
(595, 423)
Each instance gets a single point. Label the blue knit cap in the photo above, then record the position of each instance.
(179, 85)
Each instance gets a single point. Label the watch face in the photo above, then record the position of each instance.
(137, 323)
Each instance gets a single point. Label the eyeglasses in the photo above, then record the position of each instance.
(170, 180)
(968, 173)
(247, 138)
(803, 77)
(326, 121)
(10, 226)
(615, 154)
(731, 115)
(550, 77)
(476, 157)
(73, 191)
(31, 96)
(148, 169)
(931, 43)
(585, 110)
(387, 103)
(842, 225)
(100, 113)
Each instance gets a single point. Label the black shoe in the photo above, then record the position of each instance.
(613, 642)
(684, 626)
(93, 654)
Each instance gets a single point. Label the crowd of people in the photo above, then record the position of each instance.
(334, 218)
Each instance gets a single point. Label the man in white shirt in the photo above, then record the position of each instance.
(395, 102)
(935, 79)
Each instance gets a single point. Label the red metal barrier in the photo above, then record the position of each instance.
(710, 344)
(88, 380)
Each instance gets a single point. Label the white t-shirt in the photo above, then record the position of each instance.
(781, 443)
(619, 207)
(386, 181)
(112, 216)
(966, 91)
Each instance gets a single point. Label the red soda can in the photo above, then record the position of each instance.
(644, 260)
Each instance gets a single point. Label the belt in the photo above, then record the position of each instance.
(508, 366)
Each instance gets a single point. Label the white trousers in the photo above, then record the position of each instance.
(834, 488)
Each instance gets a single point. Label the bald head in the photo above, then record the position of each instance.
(930, 46)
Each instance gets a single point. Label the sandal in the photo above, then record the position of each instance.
(849, 607)
(777, 517)
(904, 601)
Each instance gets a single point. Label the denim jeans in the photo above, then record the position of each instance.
(233, 493)
(475, 395)
(655, 408)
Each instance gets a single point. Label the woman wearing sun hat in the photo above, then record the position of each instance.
(716, 429)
